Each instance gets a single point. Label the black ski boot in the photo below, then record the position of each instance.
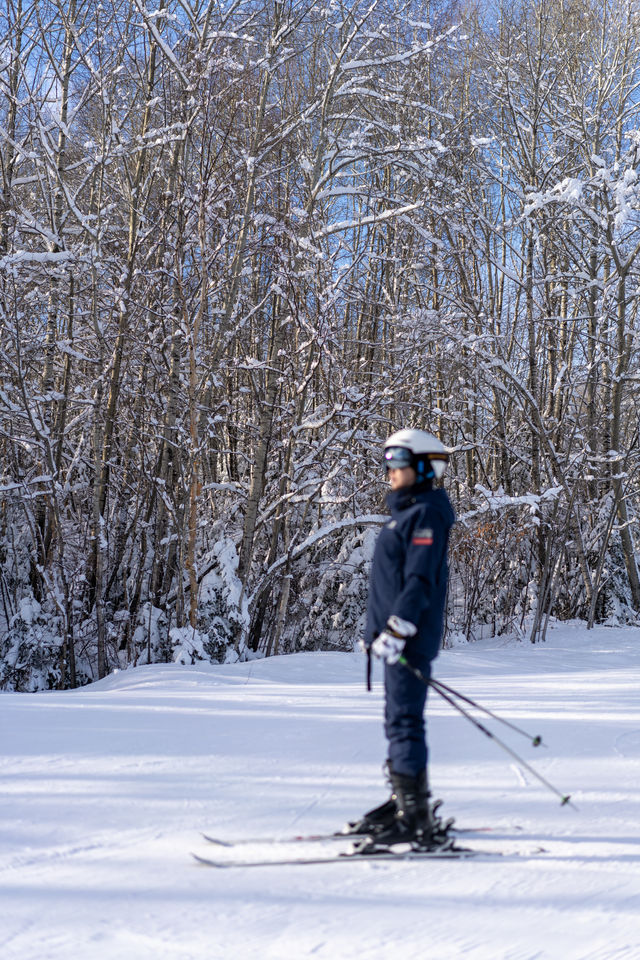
(373, 821)
(380, 818)
(413, 822)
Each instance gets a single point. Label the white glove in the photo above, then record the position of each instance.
(389, 644)
(387, 647)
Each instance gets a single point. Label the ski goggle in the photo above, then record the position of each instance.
(396, 458)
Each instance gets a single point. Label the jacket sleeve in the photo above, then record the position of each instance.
(423, 559)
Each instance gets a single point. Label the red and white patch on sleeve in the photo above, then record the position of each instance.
(423, 538)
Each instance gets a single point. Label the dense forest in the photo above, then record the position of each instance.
(243, 241)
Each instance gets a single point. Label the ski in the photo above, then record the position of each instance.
(382, 856)
(294, 838)
(320, 837)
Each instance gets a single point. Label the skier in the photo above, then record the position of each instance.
(405, 613)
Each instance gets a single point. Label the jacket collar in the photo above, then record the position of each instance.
(406, 497)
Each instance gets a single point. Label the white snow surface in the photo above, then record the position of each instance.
(105, 791)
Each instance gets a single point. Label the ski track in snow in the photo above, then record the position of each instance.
(104, 792)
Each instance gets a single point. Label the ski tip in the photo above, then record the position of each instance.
(205, 862)
(200, 860)
(216, 841)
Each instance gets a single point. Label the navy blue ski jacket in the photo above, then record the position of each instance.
(409, 571)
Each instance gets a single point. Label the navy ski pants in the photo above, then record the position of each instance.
(405, 699)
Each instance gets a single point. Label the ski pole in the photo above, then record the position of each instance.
(564, 798)
(536, 741)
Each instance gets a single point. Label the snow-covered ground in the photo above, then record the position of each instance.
(105, 790)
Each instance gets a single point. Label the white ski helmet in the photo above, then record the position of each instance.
(417, 449)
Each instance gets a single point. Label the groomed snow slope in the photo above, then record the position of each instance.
(105, 790)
